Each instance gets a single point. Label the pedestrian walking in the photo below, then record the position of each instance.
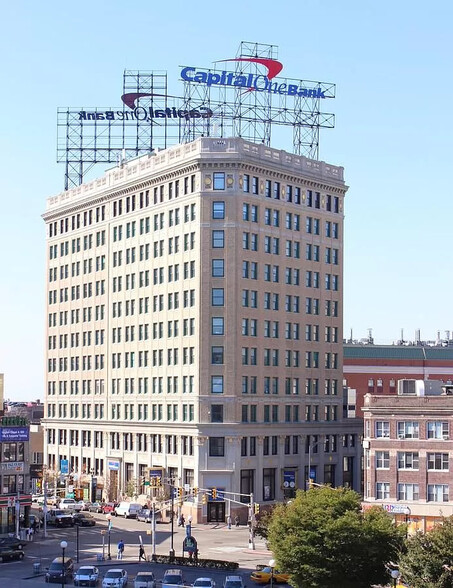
(30, 533)
(229, 522)
(141, 553)
(236, 520)
(120, 550)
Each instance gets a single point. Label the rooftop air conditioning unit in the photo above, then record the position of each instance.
(406, 387)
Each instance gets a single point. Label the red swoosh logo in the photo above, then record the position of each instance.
(131, 98)
(273, 66)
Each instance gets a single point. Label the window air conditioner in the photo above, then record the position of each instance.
(401, 436)
(445, 437)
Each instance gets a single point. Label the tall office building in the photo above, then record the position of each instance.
(194, 324)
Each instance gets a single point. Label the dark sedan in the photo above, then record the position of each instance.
(144, 515)
(84, 519)
(12, 543)
(9, 553)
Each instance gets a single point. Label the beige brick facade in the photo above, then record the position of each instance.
(195, 322)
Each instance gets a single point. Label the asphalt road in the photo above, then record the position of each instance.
(214, 542)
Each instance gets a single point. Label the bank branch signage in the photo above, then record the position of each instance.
(243, 96)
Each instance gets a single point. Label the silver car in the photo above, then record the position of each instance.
(115, 578)
(145, 580)
(86, 576)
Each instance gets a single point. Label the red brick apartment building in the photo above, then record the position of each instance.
(376, 369)
(408, 445)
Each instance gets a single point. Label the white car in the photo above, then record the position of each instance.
(204, 583)
(145, 580)
(86, 576)
(233, 582)
(115, 577)
(69, 504)
(171, 578)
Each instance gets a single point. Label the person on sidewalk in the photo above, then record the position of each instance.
(229, 522)
(120, 550)
(236, 520)
(141, 553)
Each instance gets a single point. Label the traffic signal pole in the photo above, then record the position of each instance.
(172, 550)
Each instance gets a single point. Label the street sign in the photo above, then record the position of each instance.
(64, 466)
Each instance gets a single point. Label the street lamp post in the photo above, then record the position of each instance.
(63, 546)
(395, 575)
(310, 447)
(109, 520)
(272, 566)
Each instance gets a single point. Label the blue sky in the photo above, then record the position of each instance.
(392, 63)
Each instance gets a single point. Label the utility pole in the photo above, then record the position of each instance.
(172, 490)
(153, 530)
(44, 510)
(252, 523)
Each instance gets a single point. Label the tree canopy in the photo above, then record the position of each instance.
(323, 540)
(428, 560)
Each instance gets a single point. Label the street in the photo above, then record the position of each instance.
(214, 542)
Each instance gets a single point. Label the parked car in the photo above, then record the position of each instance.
(107, 507)
(60, 518)
(9, 553)
(145, 580)
(12, 543)
(264, 576)
(204, 583)
(172, 578)
(145, 515)
(115, 577)
(69, 504)
(84, 505)
(95, 507)
(86, 576)
(233, 582)
(84, 519)
(128, 510)
(59, 571)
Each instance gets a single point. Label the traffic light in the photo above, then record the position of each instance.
(204, 499)
(257, 508)
(214, 493)
(310, 484)
(153, 481)
(194, 491)
(142, 480)
(179, 492)
(158, 481)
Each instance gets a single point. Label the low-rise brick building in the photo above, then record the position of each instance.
(408, 445)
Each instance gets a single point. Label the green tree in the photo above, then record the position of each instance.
(323, 540)
(428, 560)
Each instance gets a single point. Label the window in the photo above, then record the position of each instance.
(218, 239)
(217, 325)
(218, 268)
(216, 446)
(437, 493)
(218, 210)
(437, 461)
(382, 490)
(382, 429)
(382, 460)
(408, 460)
(217, 355)
(437, 430)
(216, 384)
(218, 297)
(408, 492)
(268, 484)
(407, 430)
(247, 480)
(219, 180)
(216, 413)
